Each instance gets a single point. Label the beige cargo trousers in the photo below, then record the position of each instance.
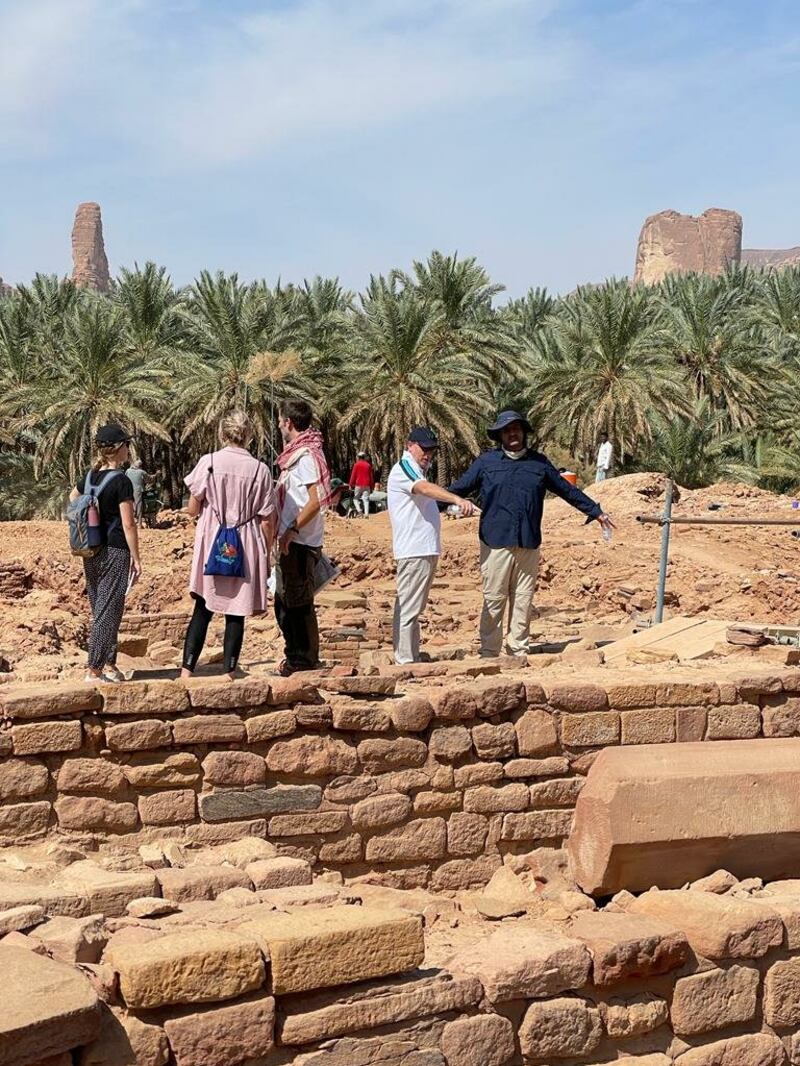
(509, 582)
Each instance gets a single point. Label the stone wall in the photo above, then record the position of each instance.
(709, 976)
(418, 780)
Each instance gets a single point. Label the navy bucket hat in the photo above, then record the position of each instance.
(505, 418)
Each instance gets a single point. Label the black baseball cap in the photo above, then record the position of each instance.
(424, 437)
(111, 434)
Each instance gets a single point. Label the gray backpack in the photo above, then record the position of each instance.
(86, 533)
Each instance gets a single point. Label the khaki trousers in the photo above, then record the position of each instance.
(414, 580)
(509, 581)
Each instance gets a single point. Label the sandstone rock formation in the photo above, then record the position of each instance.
(5, 289)
(774, 258)
(672, 243)
(89, 263)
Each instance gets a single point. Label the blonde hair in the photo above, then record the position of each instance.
(236, 428)
(104, 454)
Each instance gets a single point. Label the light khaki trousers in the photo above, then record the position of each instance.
(509, 581)
(414, 580)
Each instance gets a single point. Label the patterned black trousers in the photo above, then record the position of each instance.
(106, 581)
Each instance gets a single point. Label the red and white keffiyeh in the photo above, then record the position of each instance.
(309, 442)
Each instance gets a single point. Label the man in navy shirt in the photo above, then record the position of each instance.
(512, 482)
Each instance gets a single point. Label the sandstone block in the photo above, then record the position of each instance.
(73, 940)
(37, 738)
(19, 821)
(217, 1036)
(90, 775)
(341, 850)
(627, 1017)
(653, 725)
(294, 825)
(626, 696)
(144, 735)
(360, 717)
(466, 833)
(437, 802)
(536, 825)
(238, 852)
(364, 686)
(208, 729)
(48, 1007)
(450, 743)
(314, 716)
(220, 694)
(737, 722)
(106, 892)
(278, 873)
(590, 730)
(625, 946)
(560, 1027)
(197, 966)
(312, 756)
(125, 1040)
(782, 994)
(379, 756)
(326, 1014)
(376, 812)
(90, 812)
(715, 999)
(485, 1040)
(22, 778)
(484, 799)
(718, 927)
(178, 769)
(423, 838)
(555, 766)
(781, 716)
(467, 873)
(348, 789)
(536, 732)
(453, 703)
(495, 696)
(494, 741)
(667, 815)
(578, 698)
(687, 694)
(199, 882)
(522, 961)
(53, 899)
(560, 792)
(168, 808)
(208, 835)
(690, 724)
(20, 918)
(47, 700)
(336, 945)
(224, 806)
(411, 714)
(482, 773)
(234, 768)
(756, 1049)
(264, 727)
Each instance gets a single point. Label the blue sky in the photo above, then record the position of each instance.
(294, 137)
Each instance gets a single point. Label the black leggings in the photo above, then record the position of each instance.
(196, 636)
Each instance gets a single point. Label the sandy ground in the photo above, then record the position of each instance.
(739, 573)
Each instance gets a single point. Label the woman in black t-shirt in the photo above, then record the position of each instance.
(109, 571)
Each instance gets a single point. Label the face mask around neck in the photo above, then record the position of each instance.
(514, 455)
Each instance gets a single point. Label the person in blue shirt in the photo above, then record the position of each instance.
(512, 481)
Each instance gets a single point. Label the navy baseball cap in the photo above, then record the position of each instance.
(424, 437)
(505, 418)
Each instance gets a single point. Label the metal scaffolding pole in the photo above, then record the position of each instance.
(666, 519)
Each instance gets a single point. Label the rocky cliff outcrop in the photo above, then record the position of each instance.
(771, 257)
(672, 243)
(89, 263)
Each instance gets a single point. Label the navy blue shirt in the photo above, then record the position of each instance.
(512, 493)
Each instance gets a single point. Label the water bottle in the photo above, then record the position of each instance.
(453, 509)
(607, 534)
(95, 537)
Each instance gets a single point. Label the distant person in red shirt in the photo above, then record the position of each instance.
(362, 481)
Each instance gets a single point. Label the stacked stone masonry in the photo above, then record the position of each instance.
(426, 780)
(706, 976)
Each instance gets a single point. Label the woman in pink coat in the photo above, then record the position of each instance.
(231, 488)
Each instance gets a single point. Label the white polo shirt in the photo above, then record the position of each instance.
(416, 522)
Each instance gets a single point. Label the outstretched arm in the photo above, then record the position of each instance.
(436, 492)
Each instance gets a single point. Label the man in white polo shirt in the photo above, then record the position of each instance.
(416, 536)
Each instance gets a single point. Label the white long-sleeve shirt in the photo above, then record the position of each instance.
(604, 456)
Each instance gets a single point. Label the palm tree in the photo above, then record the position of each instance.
(242, 341)
(400, 376)
(95, 380)
(707, 330)
(776, 311)
(599, 368)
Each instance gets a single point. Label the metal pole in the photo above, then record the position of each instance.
(662, 568)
